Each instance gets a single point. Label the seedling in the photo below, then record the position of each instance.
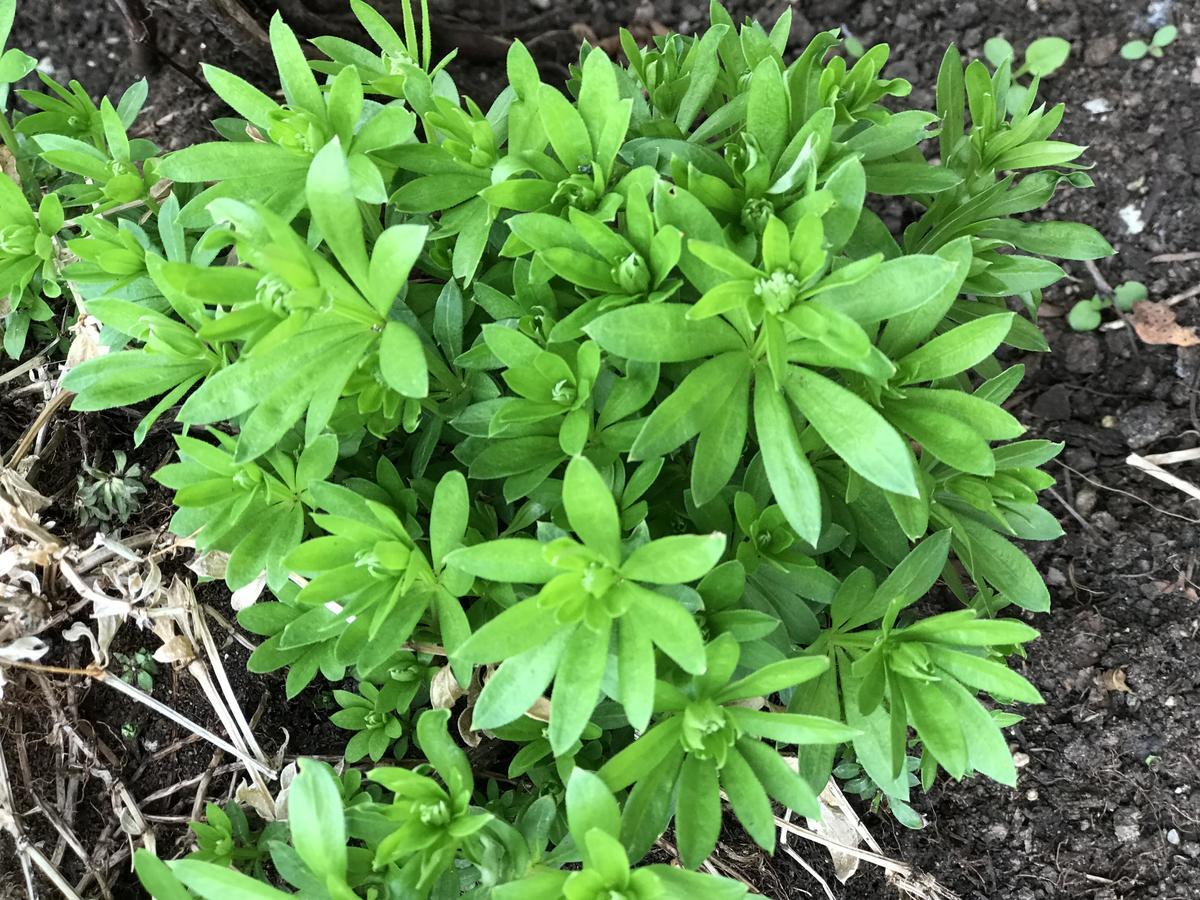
(1043, 58)
(137, 668)
(1139, 49)
(1085, 314)
(109, 496)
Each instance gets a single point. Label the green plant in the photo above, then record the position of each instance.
(137, 668)
(1084, 315)
(1043, 57)
(624, 402)
(108, 496)
(226, 838)
(1139, 49)
(374, 713)
(413, 827)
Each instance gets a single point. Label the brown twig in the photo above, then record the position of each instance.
(39, 423)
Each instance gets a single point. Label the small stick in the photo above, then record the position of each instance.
(61, 827)
(1175, 456)
(182, 720)
(810, 870)
(884, 862)
(39, 423)
(1175, 257)
(26, 366)
(12, 824)
(1155, 471)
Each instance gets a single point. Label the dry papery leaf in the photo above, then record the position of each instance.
(1113, 681)
(1155, 323)
(8, 165)
(86, 343)
(444, 690)
(839, 823)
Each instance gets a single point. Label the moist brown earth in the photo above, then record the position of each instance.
(1108, 804)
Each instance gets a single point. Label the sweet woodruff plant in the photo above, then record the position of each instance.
(621, 415)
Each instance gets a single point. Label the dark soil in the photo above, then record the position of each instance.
(1109, 800)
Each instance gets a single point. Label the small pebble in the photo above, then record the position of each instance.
(1132, 217)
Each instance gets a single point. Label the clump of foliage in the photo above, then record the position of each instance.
(1139, 49)
(108, 496)
(624, 402)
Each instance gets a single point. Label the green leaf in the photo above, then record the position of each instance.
(295, 77)
(983, 674)
(448, 516)
(779, 779)
(590, 804)
(8, 12)
(156, 878)
(788, 471)
(693, 405)
(244, 98)
(957, 350)
(1007, 569)
(767, 114)
(577, 685)
(748, 799)
(335, 211)
(1134, 50)
(936, 720)
(791, 728)
(591, 509)
(518, 683)
(317, 820)
(896, 286)
(517, 560)
(1065, 240)
(661, 332)
(392, 259)
(697, 811)
(566, 129)
(402, 360)
(220, 161)
(903, 179)
(213, 882)
(1165, 36)
(676, 559)
(1046, 55)
(855, 431)
(944, 436)
(516, 630)
(997, 50)
(669, 625)
(774, 677)
(635, 672)
(987, 750)
(446, 756)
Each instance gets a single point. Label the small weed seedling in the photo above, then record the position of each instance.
(107, 497)
(1139, 49)
(1043, 57)
(137, 668)
(1085, 315)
